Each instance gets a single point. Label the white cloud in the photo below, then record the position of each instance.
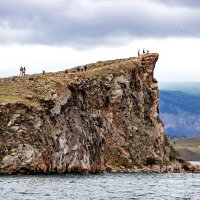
(55, 34)
(178, 60)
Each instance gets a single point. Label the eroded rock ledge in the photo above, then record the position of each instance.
(102, 119)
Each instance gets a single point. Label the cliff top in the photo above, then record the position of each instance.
(30, 89)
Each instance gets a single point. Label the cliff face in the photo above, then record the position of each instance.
(105, 118)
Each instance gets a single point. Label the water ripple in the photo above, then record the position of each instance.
(101, 186)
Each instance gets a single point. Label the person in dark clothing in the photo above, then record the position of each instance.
(24, 71)
(66, 71)
(143, 51)
(85, 67)
(138, 52)
(78, 69)
(43, 72)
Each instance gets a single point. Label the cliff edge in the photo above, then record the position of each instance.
(103, 119)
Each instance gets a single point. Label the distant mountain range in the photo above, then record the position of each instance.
(186, 87)
(180, 108)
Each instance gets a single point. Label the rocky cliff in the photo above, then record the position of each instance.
(103, 119)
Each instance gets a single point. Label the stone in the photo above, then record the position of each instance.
(13, 119)
(29, 97)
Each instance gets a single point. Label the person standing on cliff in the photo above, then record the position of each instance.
(78, 69)
(138, 52)
(143, 50)
(21, 71)
(24, 71)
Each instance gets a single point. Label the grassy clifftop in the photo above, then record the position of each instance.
(30, 88)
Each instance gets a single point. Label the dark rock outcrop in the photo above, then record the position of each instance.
(102, 119)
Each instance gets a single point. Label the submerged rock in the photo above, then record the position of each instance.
(102, 119)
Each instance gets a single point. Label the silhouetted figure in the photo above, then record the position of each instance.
(85, 67)
(43, 72)
(143, 51)
(78, 69)
(66, 71)
(21, 71)
(24, 71)
(138, 52)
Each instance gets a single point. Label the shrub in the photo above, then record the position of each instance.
(150, 160)
(165, 162)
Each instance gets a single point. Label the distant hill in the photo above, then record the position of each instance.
(186, 87)
(180, 108)
(188, 148)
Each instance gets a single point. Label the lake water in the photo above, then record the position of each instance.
(195, 163)
(100, 186)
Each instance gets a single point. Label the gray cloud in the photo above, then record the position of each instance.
(79, 23)
(185, 3)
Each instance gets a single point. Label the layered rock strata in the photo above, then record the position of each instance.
(102, 119)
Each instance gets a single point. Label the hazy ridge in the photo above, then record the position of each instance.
(180, 108)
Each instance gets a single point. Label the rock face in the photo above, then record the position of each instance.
(102, 119)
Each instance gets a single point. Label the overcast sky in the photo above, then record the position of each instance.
(57, 34)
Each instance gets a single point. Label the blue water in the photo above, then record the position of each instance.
(101, 186)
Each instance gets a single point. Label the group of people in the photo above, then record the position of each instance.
(82, 68)
(22, 71)
(79, 68)
(143, 51)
